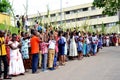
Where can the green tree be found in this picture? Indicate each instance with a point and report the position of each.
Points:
(5, 6)
(110, 7)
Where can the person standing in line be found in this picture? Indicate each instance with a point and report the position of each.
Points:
(118, 39)
(94, 44)
(34, 42)
(73, 47)
(80, 48)
(99, 42)
(103, 38)
(84, 46)
(25, 50)
(44, 52)
(66, 45)
(61, 46)
(16, 66)
(114, 39)
(107, 40)
(56, 49)
(90, 39)
(3, 57)
(51, 52)
(7, 39)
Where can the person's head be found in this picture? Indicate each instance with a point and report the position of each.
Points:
(51, 37)
(2, 33)
(71, 34)
(51, 32)
(22, 34)
(93, 34)
(33, 32)
(26, 35)
(65, 34)
(22, 17)
(60, 33)
(56, 30)
(100, 35)
(14, 36)
(18, 31)
(40, 31)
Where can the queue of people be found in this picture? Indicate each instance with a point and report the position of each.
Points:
(48, 49)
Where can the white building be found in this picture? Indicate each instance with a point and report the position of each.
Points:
(78, 16)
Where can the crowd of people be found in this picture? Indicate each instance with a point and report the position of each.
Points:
(48, 49)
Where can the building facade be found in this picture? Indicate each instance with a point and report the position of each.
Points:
(4, 19)
(77, 16)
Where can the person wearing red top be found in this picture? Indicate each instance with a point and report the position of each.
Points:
(114, 39)
(34, 42)
(7, 39)
(44, 50)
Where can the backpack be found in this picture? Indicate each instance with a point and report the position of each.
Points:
(61, 42)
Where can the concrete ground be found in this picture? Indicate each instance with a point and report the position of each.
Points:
(104, 66)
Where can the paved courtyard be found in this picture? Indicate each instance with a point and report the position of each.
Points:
(104, 66)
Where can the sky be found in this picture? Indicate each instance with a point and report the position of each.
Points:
(41, 5)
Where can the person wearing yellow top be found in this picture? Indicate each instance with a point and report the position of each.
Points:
(3, 56)
(2, 47)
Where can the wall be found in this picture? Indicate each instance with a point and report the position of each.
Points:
(4, 18)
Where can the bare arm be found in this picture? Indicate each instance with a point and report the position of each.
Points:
(13, 48)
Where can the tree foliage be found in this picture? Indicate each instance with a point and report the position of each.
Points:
(110, 7)
(4, 6)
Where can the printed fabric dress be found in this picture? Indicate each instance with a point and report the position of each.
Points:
(73, 47)
(24, 48)
(16, 63)
(84, 48)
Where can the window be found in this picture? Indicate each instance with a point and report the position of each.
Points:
(80, 10)
(84, 18)
(75, 11)
(59, 14)
(67, 21)
(59, 22)
(67, 12)
(92, 8)
(78, 19)
(73, 20)
(45, 16)
(96, 16)
(93, 17)
(52, 15)
(52, 22)
(94, 26)
(85, 9)
(111, 24)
